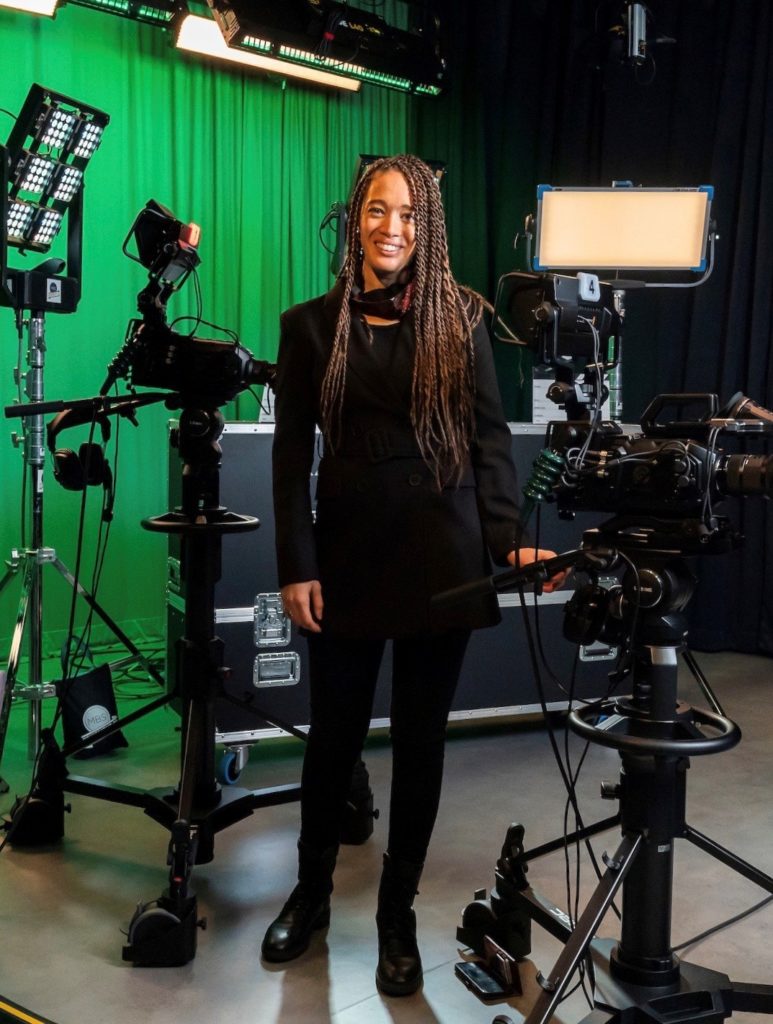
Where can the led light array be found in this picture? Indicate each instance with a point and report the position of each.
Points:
(28, 224)
(48, 149)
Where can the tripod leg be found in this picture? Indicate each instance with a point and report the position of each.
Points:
(8, 681)
(113, 626)
(576, 948)
(702, 681)
(730, 859)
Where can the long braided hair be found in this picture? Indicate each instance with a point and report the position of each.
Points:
(444, 314)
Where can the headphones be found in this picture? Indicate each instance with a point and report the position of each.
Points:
(89, 466)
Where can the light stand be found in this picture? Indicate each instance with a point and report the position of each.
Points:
(72, 129)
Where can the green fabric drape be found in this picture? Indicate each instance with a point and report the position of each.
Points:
(255, 161)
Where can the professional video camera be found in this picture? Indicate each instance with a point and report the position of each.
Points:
(672, 470)
(203, 370)
(672, 475)
(572, 325)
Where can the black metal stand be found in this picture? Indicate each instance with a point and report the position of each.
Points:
(163, 931)
(29, 562)
(637, 978)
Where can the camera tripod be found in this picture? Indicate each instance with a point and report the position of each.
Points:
(163, 931)
(637, 978)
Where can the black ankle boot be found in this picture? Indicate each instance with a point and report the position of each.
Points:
(399, 964)
(307, 908)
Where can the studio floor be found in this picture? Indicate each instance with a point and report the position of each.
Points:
(63, 907)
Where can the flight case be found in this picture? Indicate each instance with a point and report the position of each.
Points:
(267, 658)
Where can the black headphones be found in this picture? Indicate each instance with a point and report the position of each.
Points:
(89, 466)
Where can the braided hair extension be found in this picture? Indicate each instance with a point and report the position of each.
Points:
(445, 314)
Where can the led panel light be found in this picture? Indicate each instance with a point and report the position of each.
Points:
(45, 7)
(55, 126)
(85, 140)
(47, 151)
(46, 227)
(34, 173)
(202, 36)
(19, 219)
(67, 183)
(622, 228)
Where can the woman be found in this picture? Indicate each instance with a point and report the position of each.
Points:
(416, 492)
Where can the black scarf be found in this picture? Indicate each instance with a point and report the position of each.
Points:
(390, 303)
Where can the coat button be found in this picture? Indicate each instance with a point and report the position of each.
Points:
(414, 479)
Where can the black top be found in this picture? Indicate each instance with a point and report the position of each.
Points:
(385, 538)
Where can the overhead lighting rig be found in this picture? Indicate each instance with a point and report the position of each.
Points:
(336, 38)
(323, 41)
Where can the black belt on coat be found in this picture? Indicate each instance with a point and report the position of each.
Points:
(378, 444)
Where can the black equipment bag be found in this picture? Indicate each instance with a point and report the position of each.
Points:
(88, 705)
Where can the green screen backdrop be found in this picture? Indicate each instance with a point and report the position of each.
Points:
(256, 162)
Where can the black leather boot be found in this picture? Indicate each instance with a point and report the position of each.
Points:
(399, 964)
(307, 908)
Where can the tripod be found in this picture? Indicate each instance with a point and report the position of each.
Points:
(163, 932)
(639, 977)
(29, 561)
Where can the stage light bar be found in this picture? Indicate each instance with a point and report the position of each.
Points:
(153, 12)
(335, 37)
(70, 132)
(202, 36)
(45, 7)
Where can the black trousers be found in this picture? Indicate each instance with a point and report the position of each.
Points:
(343, 672)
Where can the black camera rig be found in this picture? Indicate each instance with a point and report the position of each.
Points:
(204, 370)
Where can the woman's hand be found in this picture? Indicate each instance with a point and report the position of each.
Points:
(303, 603)
(528, 555)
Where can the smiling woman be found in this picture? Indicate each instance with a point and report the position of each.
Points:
(416, 494)
(387, 230)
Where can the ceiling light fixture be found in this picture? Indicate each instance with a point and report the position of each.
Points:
(202, 36)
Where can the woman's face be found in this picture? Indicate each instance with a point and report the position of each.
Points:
(387, 230)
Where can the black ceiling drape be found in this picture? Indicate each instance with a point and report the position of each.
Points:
(539, 94)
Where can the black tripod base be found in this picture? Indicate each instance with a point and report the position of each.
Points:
(699, 996)
(36, 820)
(163, 933)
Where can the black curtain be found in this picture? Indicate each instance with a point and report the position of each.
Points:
(540, 93)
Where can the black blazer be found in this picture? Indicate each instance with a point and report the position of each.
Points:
(384, 538)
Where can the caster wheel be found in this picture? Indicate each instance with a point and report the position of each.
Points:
(161, 937)
(151, 924)
(229, 769)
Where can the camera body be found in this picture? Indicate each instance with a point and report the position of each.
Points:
(671, 470)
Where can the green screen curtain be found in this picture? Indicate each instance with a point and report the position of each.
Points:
(256, 162)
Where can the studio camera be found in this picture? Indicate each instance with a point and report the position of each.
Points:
(673, 469)
(202, 370)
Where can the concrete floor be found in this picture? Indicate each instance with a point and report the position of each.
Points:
(62, 907)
